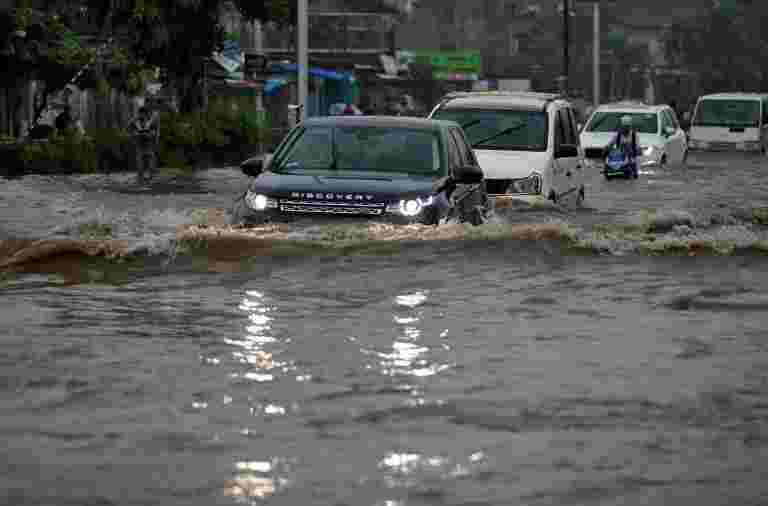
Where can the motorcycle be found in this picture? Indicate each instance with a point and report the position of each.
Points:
(619, 163)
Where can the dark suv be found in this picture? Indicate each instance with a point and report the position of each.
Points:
(407, 170)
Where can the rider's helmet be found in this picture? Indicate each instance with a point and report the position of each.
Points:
(626, 123)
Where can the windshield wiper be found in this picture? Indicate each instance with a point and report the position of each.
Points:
(498, 134)
(470, 123)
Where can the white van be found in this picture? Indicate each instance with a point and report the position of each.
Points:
(730, 122)
(526, 142)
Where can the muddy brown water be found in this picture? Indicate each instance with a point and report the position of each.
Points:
(460, 372)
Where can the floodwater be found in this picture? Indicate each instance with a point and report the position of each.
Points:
(610, 367)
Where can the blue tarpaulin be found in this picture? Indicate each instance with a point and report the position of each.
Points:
(272, 87)
(313, 71)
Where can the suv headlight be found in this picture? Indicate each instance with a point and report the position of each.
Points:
(259, 202)
(649, 151)
(411, 207)
(530, 185)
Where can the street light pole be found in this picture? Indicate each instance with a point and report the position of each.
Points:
(303, 57)
(596, 54)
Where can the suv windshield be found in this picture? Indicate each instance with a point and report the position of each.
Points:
(605, 121)
(363, 149)
(500, 129)
(727, 113)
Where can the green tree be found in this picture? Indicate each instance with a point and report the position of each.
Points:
(725, 45)
(173, 35)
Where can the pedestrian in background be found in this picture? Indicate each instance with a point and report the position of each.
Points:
(145, 133)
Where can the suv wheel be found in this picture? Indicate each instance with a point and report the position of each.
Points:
(472, 208)
(429, 216)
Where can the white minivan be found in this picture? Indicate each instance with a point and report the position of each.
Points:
(730, 122)
(527, 143)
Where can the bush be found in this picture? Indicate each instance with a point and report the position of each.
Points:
(66, 153)
(225, 133)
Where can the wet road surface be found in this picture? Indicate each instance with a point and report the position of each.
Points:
(462, 372)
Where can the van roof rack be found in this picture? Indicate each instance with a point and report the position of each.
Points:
(505, 93)
(546, 98)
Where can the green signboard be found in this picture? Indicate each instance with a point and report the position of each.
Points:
(446, 65)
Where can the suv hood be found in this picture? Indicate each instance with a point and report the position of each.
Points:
(601, 139)
(346, 187)
(498, 164)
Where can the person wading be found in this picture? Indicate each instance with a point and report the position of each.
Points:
(145, 133)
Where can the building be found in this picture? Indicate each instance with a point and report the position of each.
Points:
(523, 39)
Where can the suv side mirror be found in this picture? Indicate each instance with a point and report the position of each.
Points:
(567, 151)
(255, 165)
(468, 174)
(669, 130)
(579, 127)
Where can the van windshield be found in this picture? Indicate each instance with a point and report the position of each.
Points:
(727, 113)
(610, 121)
(500, 129)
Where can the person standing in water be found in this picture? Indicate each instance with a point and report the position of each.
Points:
(145, 133)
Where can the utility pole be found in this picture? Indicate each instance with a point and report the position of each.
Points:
(303, 57)
(596, 54)
(566, 44)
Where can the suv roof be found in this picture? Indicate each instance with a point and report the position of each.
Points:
(527, 100)
(380, 121)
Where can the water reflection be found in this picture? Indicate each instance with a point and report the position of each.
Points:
(257, 335)
(412, 300)
(407, 356)
(256, 480)
(402, 469)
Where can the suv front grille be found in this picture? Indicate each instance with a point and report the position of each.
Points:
(321, 207)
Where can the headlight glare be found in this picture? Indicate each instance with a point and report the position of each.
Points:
(256, 201)
(528, 185)
(412, 207)
(648, 150)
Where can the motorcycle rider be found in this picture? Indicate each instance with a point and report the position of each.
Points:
(626, 145)
(626, 138)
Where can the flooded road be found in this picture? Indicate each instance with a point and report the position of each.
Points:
(615, 367)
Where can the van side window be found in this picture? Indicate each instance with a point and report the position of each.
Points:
(574, 127)
(765, 111)
(666, 120)
(559, 130)
(565, 124)
(673, 119)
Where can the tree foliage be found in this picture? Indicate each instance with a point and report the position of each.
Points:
(724, 44)
(139, 35)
